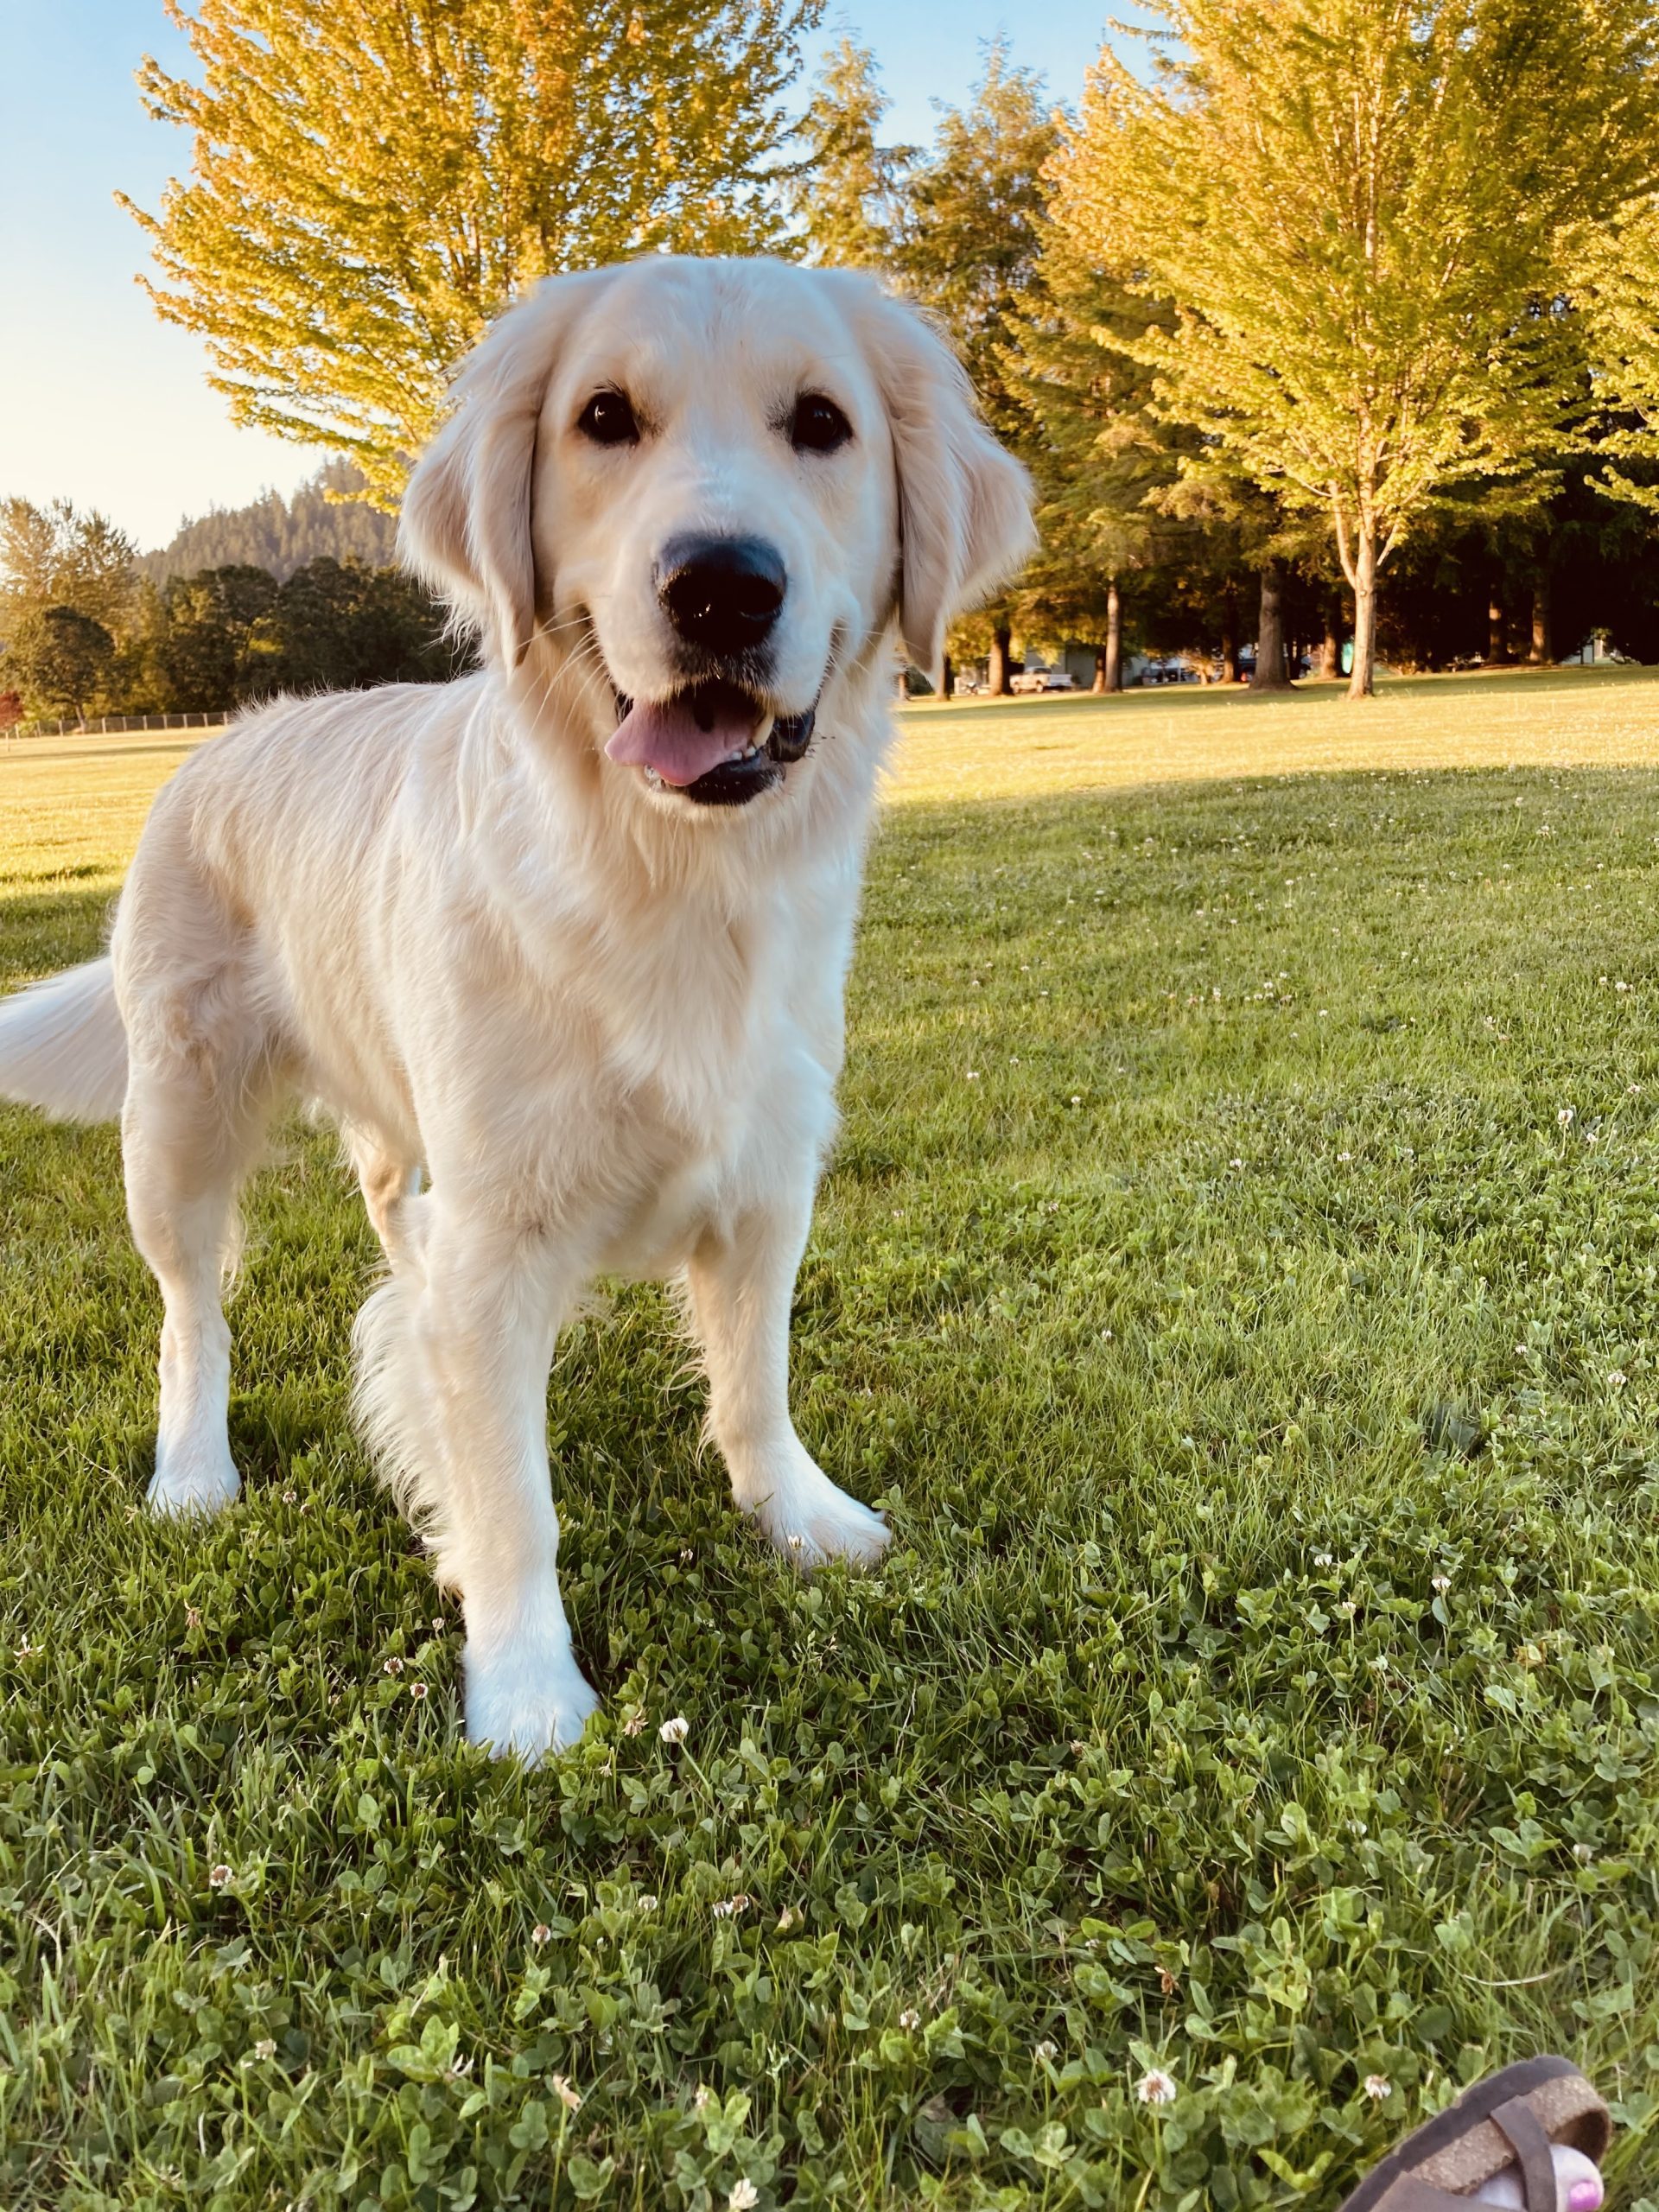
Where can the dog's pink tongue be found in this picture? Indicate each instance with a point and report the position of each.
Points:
(669, 737)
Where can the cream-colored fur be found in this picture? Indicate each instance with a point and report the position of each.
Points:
(570, 1023)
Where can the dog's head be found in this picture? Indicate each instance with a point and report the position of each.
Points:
(701, 489)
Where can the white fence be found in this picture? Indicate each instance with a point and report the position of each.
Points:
(113, 725)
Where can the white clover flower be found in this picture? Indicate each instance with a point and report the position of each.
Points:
(910, 2018)
(1378, 2086)
(540, 1933)
(1615, 1378)
(1564, 1118)
(675, 1731)
(1046, 2052)
(567, 2093)
(1441, 1582)
(219, 1877)
(744, 2195)
(1155, 2086)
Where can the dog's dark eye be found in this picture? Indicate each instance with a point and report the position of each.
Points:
(817, 424)
(608, 419)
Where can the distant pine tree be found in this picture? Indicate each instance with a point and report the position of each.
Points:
(283, 535)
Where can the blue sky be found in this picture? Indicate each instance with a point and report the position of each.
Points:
(100, 400)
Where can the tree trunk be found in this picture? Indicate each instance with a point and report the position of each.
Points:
(1497, 652)
(1271, 671)
(1362, 684)
(1330, 642)
(1114, 663)
(1002, 654)
(949, 678)
(1229, 637)
(1542, 648)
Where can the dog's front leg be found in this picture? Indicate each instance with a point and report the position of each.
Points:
(452, 1381)
(741, 1280)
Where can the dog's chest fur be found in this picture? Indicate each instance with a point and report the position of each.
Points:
(691, 1034)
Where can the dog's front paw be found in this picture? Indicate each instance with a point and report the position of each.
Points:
(810, 1521)
(188, 1483)
(525, 1702)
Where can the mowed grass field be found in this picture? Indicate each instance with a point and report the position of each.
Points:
(1236, 1279)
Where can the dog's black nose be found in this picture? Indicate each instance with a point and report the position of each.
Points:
(721, 593)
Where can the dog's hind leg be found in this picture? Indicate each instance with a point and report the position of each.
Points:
(190, 1132)
(391, 1194)
(738, 1285)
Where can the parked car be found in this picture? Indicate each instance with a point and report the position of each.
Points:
(1041, 679)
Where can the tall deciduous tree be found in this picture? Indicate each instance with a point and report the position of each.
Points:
(970, 248)
(205, 652)
(1356, 207)
(62, 556)
(848, 195)
(1097, 452)
(59, 659)
(373, 179)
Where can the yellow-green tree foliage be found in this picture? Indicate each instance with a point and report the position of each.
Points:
(62, 556)
(1617, 267)
(1357, 209)
(373, 179)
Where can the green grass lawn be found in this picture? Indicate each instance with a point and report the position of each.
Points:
(1237, 1281)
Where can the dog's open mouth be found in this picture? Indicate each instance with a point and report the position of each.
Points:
(714, 743)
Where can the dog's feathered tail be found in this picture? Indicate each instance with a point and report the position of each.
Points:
(63, 1048)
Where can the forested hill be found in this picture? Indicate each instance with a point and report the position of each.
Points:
(281, 535)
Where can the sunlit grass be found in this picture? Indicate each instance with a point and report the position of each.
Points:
(1236, 1277)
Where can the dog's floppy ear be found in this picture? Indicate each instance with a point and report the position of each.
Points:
(466, 523)
(965, 503)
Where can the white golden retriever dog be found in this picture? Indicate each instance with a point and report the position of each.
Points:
(561, 946)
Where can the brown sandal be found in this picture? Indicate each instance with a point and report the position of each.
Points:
(1512, 2118)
